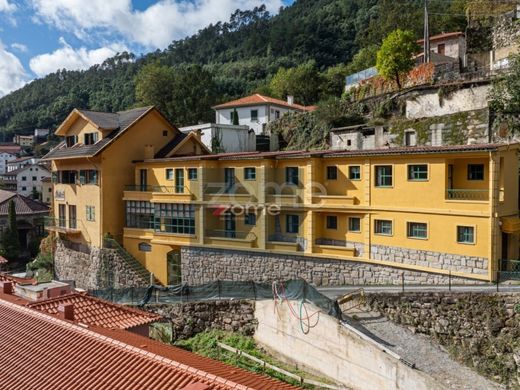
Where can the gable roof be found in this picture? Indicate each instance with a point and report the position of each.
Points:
(15, 172)
(94, 311)
(45, 352)
(117, 122)
(443, 36)
(22, 204)
(257, 99)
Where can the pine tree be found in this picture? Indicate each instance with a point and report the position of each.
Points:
(10, 241)
(235, 120)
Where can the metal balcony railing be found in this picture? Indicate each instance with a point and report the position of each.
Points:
(161, 189)
(231, 234)
(62, 224)
(467, 194)
(278, 237)
(224, 189)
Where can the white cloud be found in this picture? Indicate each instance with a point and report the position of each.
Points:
(12, 72)
(19, 46)
(5, 6)
(154, 27)
(72, 59)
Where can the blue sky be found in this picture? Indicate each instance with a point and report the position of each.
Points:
(37, 37)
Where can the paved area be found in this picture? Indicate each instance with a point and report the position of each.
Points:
(420, 350)
(335, 292)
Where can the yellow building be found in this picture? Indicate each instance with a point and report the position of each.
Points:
(427, 211)
(94, 163)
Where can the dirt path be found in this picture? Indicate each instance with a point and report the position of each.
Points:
(420, 350)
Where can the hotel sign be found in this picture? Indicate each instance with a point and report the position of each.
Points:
(59, 194)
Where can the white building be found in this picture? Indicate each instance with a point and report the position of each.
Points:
(220, 138)
(361, 137)
(5, 158)
(256, 111)
(21, 162)
(26, 179)
(450, 45)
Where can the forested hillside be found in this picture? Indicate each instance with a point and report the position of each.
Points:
(240, 56)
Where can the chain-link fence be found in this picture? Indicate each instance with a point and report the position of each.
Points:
(298, 290)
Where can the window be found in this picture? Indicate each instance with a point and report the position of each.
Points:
(332, 173)
(465, 234)
(169, 173)
(174, 218)
(90, 212)
(475, 171)
(139, 214)
(34, 178)
(250, 219)
(192, 173)
(418, 172)
(383, 227)
(24, 188)
(254, 115)
(291, 175)
(292, 224)
(179, 181)
(410, 138)
(165, 133)
(62, 218)
(144, 247)
(354, 172)
(90, 138)
(332, 222)
(70, 140)
(417, 230)
(441, 48)
(67, 177)
(250, 173)
(72, 217)
(384, 176)
(354, 224)
(88, 176)
(24, 178)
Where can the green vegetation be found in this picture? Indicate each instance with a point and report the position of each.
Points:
(395, 57)
(10, 243)
(205, 344)
(43, 264)
(240, 56)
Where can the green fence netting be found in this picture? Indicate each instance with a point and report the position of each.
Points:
(295, 290)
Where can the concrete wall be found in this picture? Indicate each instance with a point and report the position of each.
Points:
(431, 104)
(335, 351)
(228, 137)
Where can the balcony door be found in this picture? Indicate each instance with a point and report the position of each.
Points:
(229, 225)
(179, 181)
(62, 216)
(72, 217)
(229, 179)
(143, 179)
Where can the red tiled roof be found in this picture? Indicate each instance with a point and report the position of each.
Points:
(257, 99)
(9, 278)
(47, 353)
(443, 36)
(94, 311)
(3, 260)
(343, 153)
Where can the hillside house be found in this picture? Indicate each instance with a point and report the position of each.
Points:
(221, 138)
(26, 180)
(447, 46)
(5, 159)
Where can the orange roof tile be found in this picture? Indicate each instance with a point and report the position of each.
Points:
(47, 353)
(257, 99)
(442, 36)
(94, 311)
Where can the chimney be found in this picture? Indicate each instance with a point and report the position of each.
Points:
(6, 287)
(290, 100)
(66, 312)
(149, 152)
(198, 134)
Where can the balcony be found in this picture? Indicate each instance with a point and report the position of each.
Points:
(233, 194)
(62, 225)
(467, 195)
(281, 242)
(157, 193)
(332, 200)
(287, 200)
(326, 246)
(230, 238)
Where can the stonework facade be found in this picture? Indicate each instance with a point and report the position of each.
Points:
(94, 268)
(200, 265)
(447, 261)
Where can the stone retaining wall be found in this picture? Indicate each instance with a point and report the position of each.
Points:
(201, 265)
(99, 269)
(447, 261)
(191, 318)
(481, 330)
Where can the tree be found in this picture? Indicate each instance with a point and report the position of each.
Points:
(10, 241)
(235, 120)
(395, 56)
(505, 91)
(303, 82)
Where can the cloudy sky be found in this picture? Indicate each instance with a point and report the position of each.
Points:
(38, 37)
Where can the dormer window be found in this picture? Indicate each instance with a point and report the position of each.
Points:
(90, 138)
(70, 140)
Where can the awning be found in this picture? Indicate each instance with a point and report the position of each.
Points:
(510, 224)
